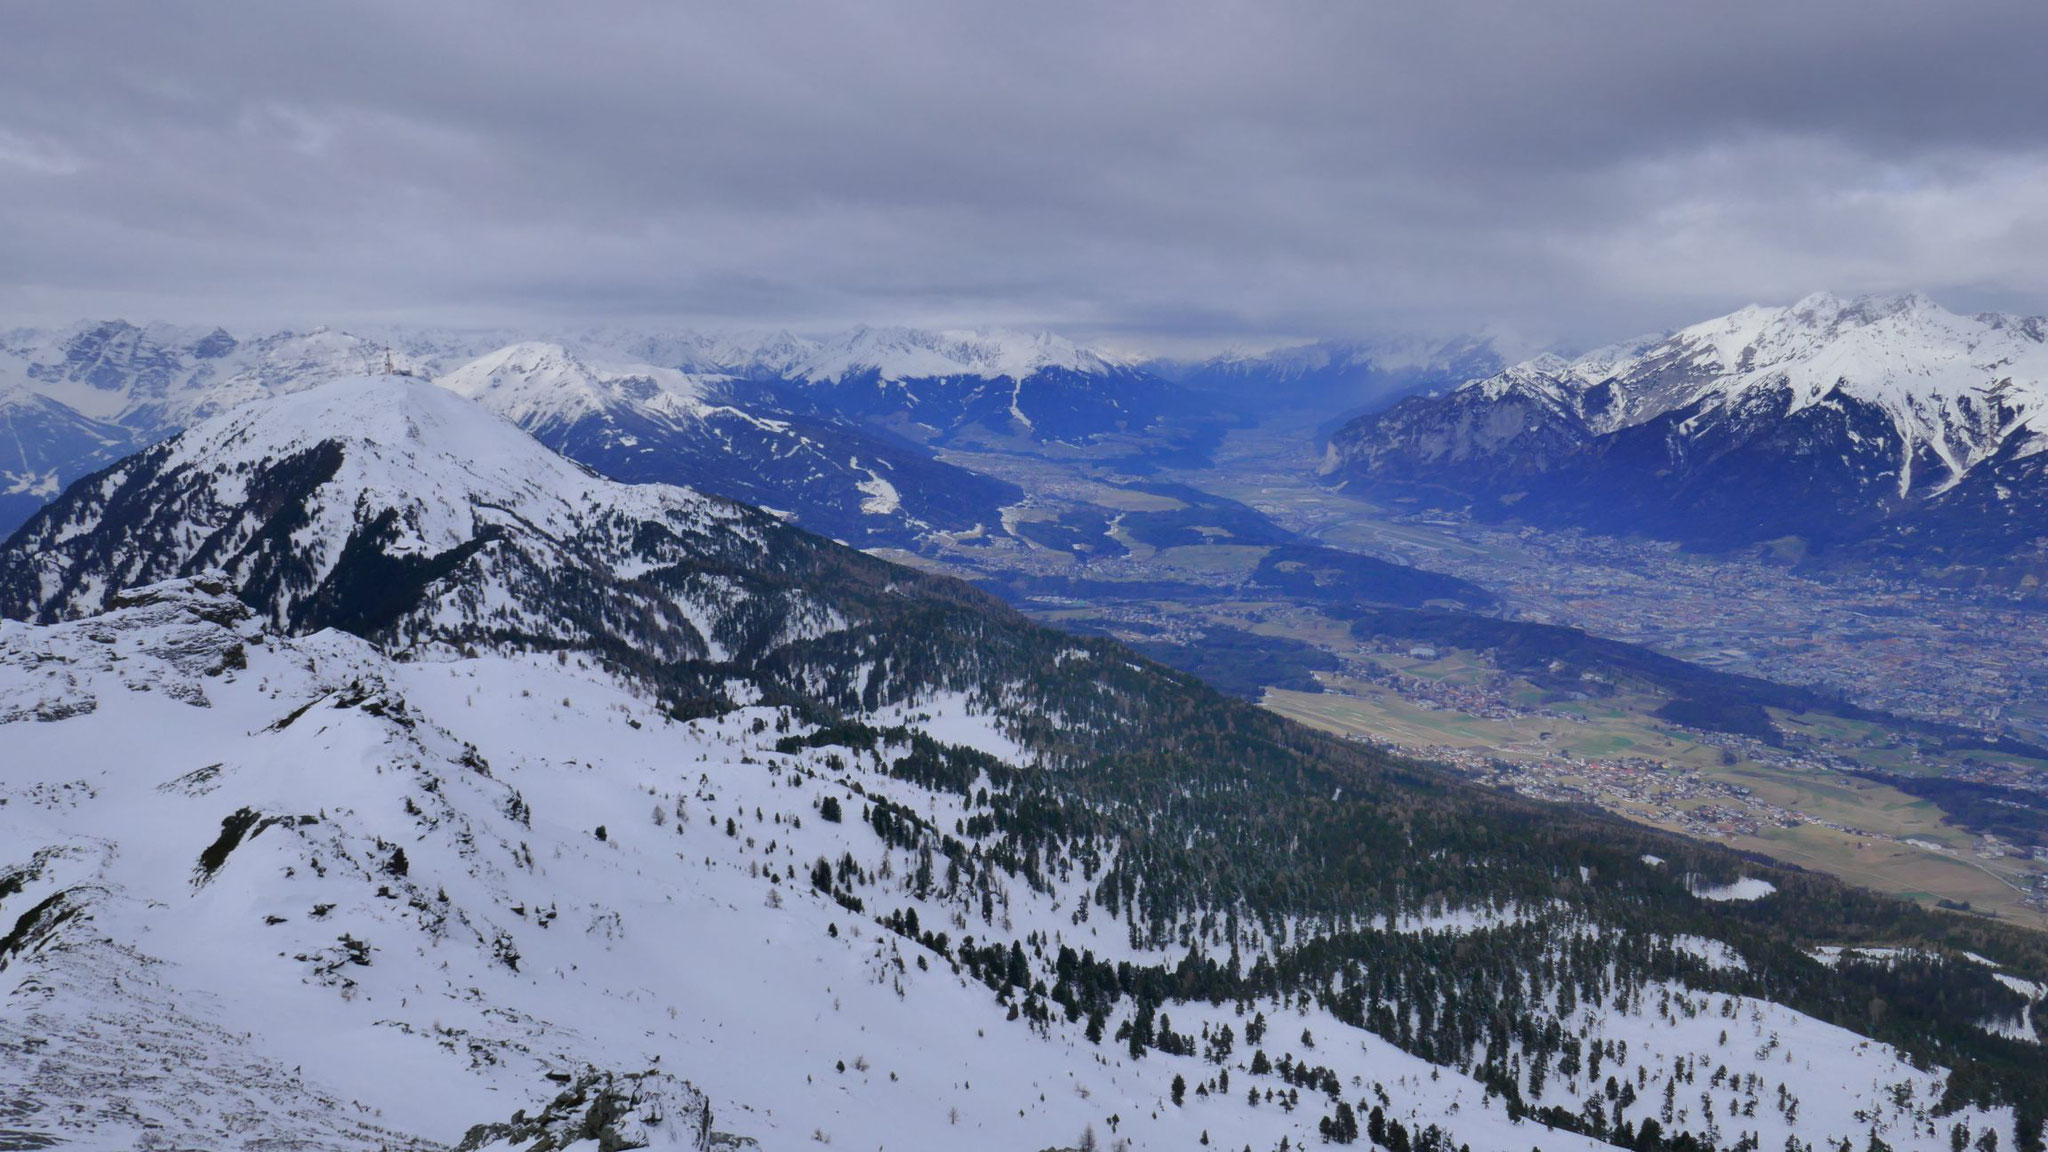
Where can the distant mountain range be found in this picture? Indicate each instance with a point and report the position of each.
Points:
(838, 433)
(1879, 424)
(75, 400)
(1884, 429)
(845, 454)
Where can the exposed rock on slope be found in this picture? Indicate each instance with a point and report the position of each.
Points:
(1830, 420)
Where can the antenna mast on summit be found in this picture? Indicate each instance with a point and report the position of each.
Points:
(388, 369)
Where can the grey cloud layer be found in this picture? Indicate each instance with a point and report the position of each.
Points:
(1145, 170)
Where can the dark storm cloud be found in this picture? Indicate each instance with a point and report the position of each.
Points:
(1145, 171)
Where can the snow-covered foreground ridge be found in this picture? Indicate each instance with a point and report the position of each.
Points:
(268, 889)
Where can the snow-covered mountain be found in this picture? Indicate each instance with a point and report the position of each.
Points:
(829, 431)
(1034, 387)
(1821, 420)
(395, 509)
(77, 399)
(645, 424)
(896, 354)
(43, 446)
(890, 353)
(156, 380)
(986, 385)
(374, 773)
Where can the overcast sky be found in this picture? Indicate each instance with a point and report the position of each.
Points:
(1150, 173)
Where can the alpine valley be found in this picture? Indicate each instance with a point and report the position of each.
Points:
(455, 756)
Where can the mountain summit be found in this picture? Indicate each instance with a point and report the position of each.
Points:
(395, 509)
(640, 424)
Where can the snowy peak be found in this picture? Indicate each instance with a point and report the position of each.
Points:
(1950, 385)
(1821, 420)
(389, 507)
(539, 385)
(404, 444)
(1904, 353)
(156, 380)
(645, 424)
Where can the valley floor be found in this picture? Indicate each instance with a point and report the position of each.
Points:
(1936, 655)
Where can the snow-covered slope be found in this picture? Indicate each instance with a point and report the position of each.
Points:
(541, 386)
(79, 398)
(396, 509)
(268, 889)
(645, 424)
(1819, 419)
(43, 446)
(1031, 387)
(895, 354)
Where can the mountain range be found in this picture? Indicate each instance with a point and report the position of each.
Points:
(1877, 424)
(77, 400)
(379, 777)
(839, 433)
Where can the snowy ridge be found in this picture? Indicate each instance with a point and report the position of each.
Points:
(1953, 385)
(911, 353)
(410, 445)
(73, 400)
(1881, 425)
(890, 352)
(538, 385)
(393, 507)
(642, 423)
(467, 882)
(1038, 386)
(157, 379)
